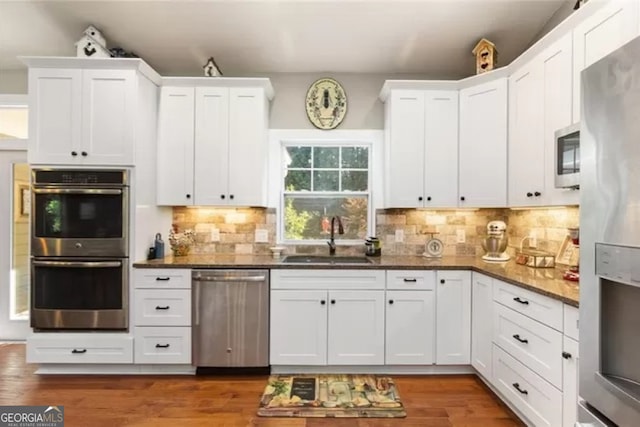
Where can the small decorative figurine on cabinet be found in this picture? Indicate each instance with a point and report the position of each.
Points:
(211, 69)
(92, 44)
(486, 56)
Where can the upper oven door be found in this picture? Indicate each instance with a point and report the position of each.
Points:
(79, 221)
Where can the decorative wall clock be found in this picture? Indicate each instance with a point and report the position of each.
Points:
(326, 103)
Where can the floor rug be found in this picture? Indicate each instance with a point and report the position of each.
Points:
(331, 396)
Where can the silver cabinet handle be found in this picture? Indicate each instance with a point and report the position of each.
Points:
(77, 264)
(230, 279)
(107, 191)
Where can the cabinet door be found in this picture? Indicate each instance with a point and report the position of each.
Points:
(557, 109)
(248, 131)
(570, 382)
(55, 99)
(483, 145)
(298, 328)
(175, 146)
(356, 328)
(108, 114)
(211, 160)
(598, 35)
(526, 150)
(404, 168)
(482, 325)
(441, 149)
(453, 318)
(410, 328)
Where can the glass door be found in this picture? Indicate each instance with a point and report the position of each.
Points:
(14, 218)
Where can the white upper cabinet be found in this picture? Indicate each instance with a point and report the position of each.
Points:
(422, 148)
(539, 104)
(600, 34)
(483, 145)
(82, 116)
(526, 150)
(213, 139)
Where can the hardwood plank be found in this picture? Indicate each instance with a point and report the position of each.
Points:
(141, 401)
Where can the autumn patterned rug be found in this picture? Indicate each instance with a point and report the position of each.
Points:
(331, 396)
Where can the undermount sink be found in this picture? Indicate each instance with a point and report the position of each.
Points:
(320, 259)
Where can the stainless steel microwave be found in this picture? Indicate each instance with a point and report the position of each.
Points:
(567, 159)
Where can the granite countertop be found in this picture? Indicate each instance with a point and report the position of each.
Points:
(545, 281)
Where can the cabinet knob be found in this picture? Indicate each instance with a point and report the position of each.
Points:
(537, 194)
(84, 154)
(188, 196)
(231, 196)
(420, 198)
(390, 301)
(333, 301)
(74, 153)
(222, 196)
(323, 302)
(442, 281)
(566, 355)
(462, 198)
(428, 198)
(529, 194)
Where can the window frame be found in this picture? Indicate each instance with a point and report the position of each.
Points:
(323, 143)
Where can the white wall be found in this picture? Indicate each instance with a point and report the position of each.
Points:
(561, 14)
(14, 81)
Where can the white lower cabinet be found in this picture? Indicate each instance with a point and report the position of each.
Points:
(532, 343)
(481, 325)
(538, 400)
(157, 345)
(453, 317)
(162, 316)
(570, 363)
(320, 326)
(78, 348)
(410, 328)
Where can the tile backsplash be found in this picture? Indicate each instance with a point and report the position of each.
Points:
(233, 230)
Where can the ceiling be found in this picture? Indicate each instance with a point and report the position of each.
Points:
(428, 37)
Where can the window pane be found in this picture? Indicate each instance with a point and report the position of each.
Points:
(310, 217)
(325, 157)
(14, 122)
(297, 181)
(354, 180)
(325, 181)
(300, 157)
(355, 157)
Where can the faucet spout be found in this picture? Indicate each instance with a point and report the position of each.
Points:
(331, 242)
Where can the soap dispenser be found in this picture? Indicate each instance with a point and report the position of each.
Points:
(159, 246)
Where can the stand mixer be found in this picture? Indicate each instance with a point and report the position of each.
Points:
(495, 243)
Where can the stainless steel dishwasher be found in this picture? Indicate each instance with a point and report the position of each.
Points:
(230, 318)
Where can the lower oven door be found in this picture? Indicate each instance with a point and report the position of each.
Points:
(80, 294)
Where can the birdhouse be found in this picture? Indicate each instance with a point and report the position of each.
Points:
(211, 69)
(96, 35)
(486, 56)
(87, 47)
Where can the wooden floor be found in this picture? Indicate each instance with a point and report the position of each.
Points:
(179, 401)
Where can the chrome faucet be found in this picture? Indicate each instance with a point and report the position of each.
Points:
(331, 242)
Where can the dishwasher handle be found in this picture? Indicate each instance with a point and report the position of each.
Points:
(229, 279)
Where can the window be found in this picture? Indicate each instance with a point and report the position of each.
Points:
(322, 181)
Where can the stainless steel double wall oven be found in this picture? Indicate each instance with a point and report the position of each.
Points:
(79, 249)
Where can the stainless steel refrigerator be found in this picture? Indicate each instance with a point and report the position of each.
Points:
(609, 384)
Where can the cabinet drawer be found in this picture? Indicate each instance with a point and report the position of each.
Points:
(327, 279)
(162, 307)
(162, 278)
(538, 400)
(163, 345)
(411, 280)
(80, 348)
(571, 323)
(538, 307)
(535, 345)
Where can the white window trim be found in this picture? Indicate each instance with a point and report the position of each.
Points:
(279, 138)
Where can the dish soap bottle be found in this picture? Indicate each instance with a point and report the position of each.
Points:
(159, 246)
